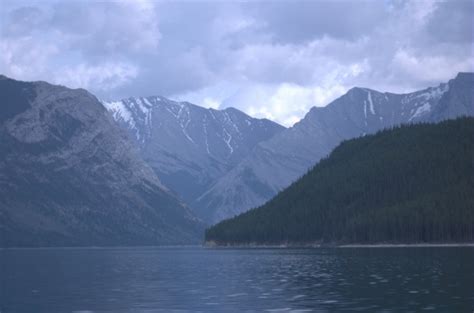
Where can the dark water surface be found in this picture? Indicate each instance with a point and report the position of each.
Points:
(237, 280)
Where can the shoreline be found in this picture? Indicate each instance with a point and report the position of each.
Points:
(103, 247)
(344, 246)
(414, 245)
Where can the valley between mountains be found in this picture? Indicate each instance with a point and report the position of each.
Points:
(76, 170)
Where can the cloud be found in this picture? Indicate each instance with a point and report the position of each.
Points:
(452, 23)
(79, 45)
(273, 59)
(441, 68)
(104, 76)
(23, 58)
(285, 103)
(304, 21)
(23, 22)
(107, 28)
(301, 99)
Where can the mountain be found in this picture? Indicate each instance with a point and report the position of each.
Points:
(189, 147)
(408, 184)
(69, 175)
(276, 163)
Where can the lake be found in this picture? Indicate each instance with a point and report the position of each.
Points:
(151, 279)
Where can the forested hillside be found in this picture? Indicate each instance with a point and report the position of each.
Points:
(404, 185)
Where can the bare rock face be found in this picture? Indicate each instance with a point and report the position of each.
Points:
(70, 176)
(189, 147)
(275, 163)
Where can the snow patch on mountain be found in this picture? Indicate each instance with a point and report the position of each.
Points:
(371, 103)
(206, 136)
(184, 127)
(119, 110)
(434, 93)
(231, 123)
(424, 108)
(227, 138)
(422, 102)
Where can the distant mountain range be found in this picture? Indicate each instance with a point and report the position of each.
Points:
(275, 163)
(189, 147)
(148, 170)
(409, 184)
(70, 176)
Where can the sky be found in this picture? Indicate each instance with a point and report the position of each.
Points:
(273, 59)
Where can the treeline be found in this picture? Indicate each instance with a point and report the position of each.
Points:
(408, 184)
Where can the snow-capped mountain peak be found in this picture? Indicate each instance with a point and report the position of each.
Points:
(180, 139)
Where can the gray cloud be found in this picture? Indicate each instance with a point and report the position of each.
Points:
(308, 20)
(23, 21)
(270, 58)
(452, 23)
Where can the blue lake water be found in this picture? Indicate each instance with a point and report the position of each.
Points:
(151, 279)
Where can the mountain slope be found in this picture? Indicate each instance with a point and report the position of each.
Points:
(409, 184)
(277, 162)
(69, 176)
(188, 146)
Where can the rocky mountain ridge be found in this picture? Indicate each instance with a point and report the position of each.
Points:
(189, 147)
(274, 164)
(70, 176)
